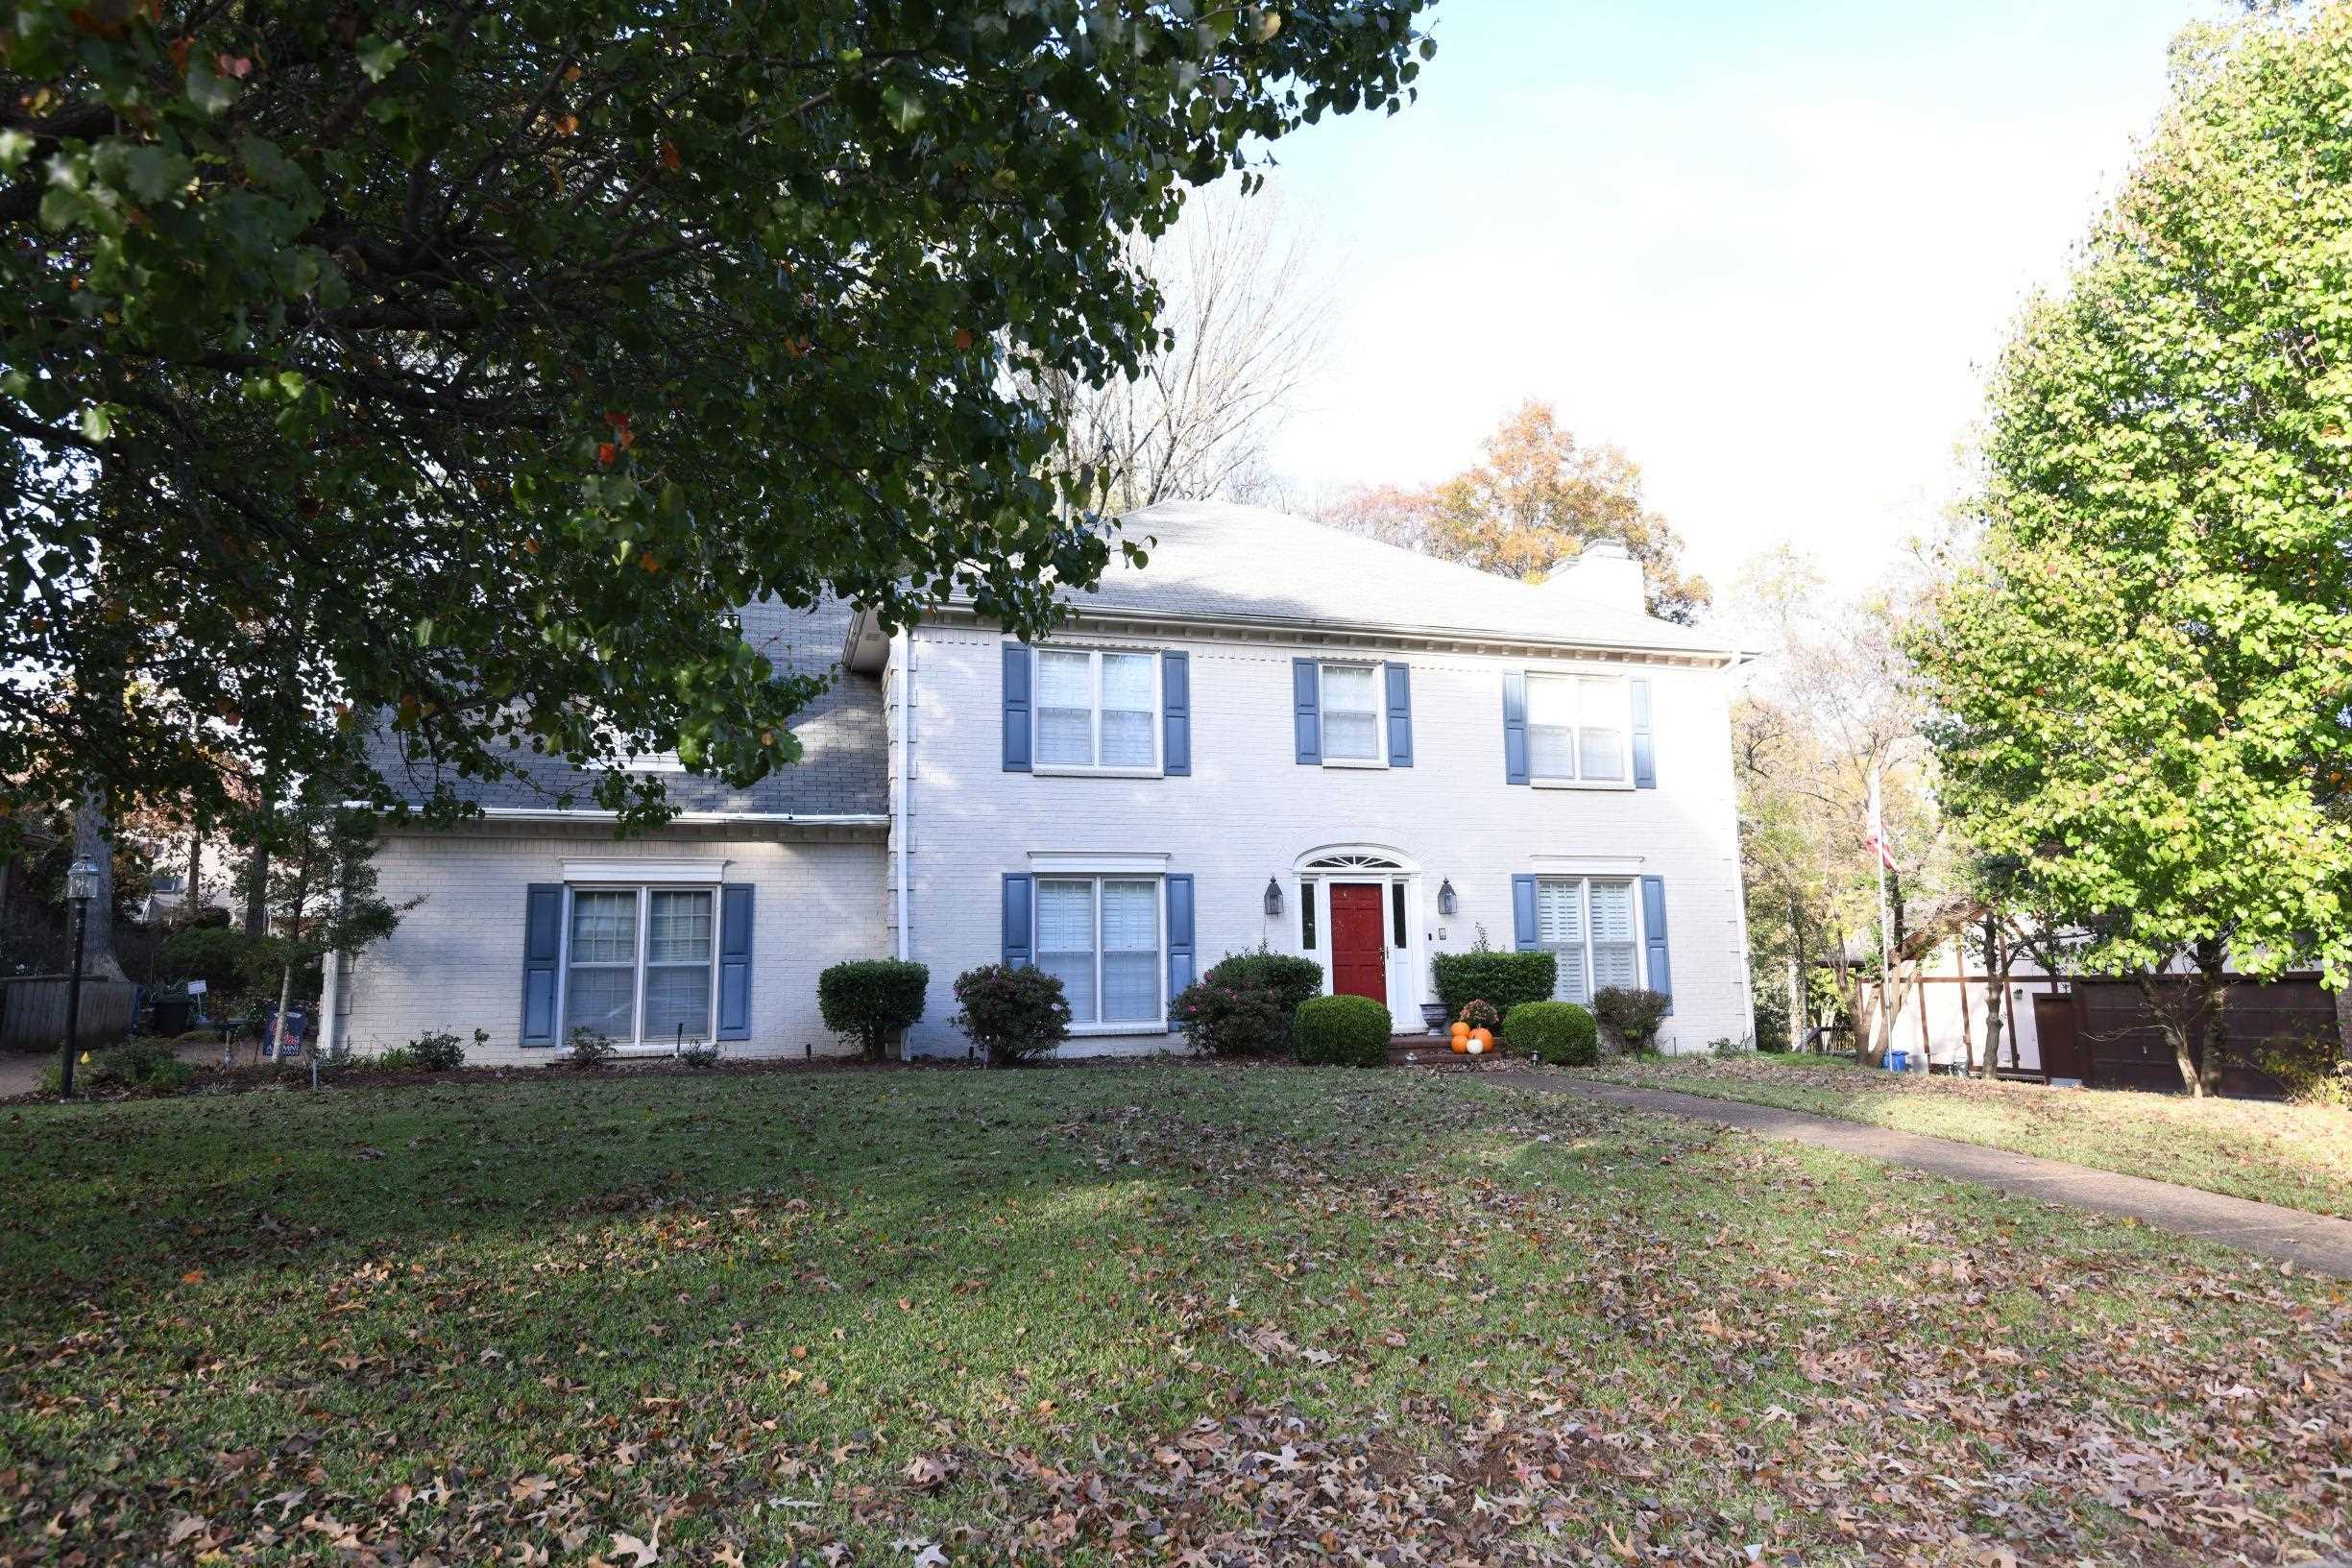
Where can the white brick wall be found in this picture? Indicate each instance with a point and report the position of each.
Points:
(456, 962)
(1248, 811)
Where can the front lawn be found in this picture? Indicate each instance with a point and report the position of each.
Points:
(1165, 1313)
(2300, 1156)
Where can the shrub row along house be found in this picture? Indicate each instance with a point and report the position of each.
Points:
(1275, 734)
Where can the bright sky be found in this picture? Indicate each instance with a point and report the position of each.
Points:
(1767, 246)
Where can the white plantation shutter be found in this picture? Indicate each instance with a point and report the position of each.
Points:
(1613, 936)
(1560, 928)
(1129, 716)
(1551, 728)
(1065, 941)
(1065, 708)
(1130, 952)
(1352, 713)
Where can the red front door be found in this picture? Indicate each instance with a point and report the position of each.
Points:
(1359, 941)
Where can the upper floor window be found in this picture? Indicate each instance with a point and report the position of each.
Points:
(1352, 713)
(1097, 709)
(1579, 730)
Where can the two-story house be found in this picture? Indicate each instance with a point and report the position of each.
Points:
(1274, 733)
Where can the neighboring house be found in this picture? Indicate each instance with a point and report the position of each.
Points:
(1275, 734)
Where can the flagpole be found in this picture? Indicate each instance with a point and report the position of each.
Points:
(1886, 918)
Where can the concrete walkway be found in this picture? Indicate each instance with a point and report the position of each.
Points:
(2317, 1244)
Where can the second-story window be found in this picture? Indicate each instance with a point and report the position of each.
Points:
(1350, 706)
(1578, 728)
(1097, 709)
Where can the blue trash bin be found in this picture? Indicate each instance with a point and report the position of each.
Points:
(1898, 1061)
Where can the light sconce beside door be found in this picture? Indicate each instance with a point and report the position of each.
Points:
(1446, 901)
(1273, 897)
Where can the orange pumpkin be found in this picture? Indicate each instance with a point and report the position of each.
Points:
(1484, 1038)
(1460, 1028)
(1462, 1043)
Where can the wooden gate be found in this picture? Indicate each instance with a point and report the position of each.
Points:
(2061, 1043)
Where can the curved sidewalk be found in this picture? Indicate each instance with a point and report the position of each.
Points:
(2318, 1244)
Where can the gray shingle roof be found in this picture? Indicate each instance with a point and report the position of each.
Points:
(843, 765)
(1220, 560)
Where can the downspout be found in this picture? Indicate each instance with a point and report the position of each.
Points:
(903, 788)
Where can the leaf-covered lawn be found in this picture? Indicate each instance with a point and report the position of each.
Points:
(2300, 1156)
(1172, 1315)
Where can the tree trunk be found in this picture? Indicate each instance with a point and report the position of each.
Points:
(193, 905)
(93, 841)
(2173, 1026)
(2343, 1028)
(1796, 977)
(257, 890)
(1995, 995)
(2213, 963)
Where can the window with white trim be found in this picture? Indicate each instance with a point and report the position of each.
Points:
(638, 963)
(1579, 729)
(1353, 716)
(1100, 936)
(1097, 709)
(1589, 923)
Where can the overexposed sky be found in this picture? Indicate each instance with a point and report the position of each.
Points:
(1767, 247)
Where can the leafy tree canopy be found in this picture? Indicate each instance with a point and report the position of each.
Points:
(2142, 683)
(471, 363)
(1538, 498)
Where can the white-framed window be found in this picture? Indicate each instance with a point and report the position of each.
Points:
(641, 963)
(1101, 936)
(1098, 708)
(1591, 924)
(1355, 717)
(1580, 729)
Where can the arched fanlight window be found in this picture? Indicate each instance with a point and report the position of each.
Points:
(1353, 862)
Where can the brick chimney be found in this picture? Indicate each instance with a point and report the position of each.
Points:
(1604, 574)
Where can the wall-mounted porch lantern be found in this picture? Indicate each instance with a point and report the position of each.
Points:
(1446, 901)
(1273, 897)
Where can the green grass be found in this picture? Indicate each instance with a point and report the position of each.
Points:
(2298, 1156)
(1089, 1315)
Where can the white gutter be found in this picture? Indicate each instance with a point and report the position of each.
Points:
(902, 788)
(806, 819)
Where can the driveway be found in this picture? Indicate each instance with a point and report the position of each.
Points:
(2318, 1244)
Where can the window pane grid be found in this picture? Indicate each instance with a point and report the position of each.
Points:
(1577, 728)
(1097, 709)
(1100, 937)
(1350, 706)
(659, 995)
(1590, 925)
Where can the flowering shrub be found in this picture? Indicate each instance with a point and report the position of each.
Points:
(1234, 1017)
(1011, 1014)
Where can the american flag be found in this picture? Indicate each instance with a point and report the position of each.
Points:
(1875, 838)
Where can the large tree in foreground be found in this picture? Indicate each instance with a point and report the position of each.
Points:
(2142, 683)
(469, 363)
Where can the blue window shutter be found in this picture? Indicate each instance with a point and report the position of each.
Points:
(735, 961)
(1654, 934)
(1306, 697)
(1400, 715)
(543, 951)
(1514, 727)
(1645, 767)
(1523, 913)
(1179, 937)
(1176, 695)
(1017, 922)
(1016, 706)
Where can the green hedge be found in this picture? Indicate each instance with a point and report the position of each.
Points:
(1289, 981)
(1560, 1032)
(1342, 1032)
(1504, 978)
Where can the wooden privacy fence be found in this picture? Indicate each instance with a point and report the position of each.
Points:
(33, 1014)
(2122, 1048)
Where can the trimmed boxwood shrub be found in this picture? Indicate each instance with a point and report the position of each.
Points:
(1011, 1014)
(1632, 1016)
(1504, 978)
(1342, 1032)
(871, 1000)
(1559, 1032)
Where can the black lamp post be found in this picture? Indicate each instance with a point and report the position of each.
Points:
(81, 886)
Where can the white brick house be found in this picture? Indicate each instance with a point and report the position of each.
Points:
(1274, 733)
